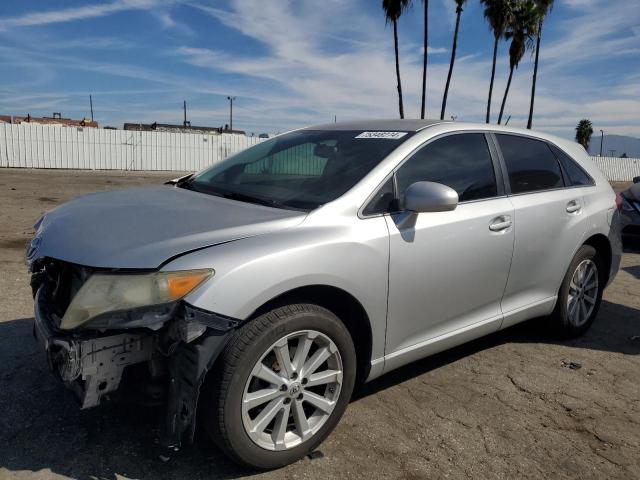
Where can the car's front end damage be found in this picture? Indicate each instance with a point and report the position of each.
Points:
(113, 316)
(158, 353)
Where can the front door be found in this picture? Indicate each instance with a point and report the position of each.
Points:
(448, 270)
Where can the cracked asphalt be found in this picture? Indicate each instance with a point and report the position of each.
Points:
(510, 405)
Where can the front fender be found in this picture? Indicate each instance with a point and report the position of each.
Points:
(252, 271)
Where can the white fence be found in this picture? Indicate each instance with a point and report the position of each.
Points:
(50, 146)
(618, 169)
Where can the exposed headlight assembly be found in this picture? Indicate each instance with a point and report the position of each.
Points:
(103, 293)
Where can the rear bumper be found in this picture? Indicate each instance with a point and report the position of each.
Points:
(91, 366)
(615, 241)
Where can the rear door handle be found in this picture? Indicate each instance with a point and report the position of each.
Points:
(574, 206)
(500, 223)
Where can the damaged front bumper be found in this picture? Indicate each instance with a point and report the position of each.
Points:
(91, 367)
(93, 364)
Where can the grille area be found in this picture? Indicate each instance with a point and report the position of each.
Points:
(60, 282)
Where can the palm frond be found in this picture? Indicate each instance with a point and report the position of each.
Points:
(393, 9)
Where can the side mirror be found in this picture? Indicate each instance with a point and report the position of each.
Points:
(430, 197)
(636, 179)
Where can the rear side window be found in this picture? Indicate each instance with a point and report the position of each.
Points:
(530, 163)
(577, 176)
(462, 162)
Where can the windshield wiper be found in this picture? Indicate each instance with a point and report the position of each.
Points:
(178, 182)
(243, 197)
(188, 183)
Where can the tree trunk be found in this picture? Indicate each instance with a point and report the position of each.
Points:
(535, 77)
(493, 76)
(395, 44)
(506, 93)
(424, 62)
(453, 59)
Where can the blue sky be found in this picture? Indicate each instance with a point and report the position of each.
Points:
(294, 63)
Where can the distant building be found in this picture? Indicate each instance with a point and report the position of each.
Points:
(166, 127)
(56, 119)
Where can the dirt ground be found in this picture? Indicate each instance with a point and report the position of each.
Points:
(506, 406)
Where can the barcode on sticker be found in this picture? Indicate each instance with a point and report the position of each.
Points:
(389, 135)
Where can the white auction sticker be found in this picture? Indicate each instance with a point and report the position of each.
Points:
(389, 135)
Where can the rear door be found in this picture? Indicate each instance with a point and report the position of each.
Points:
(549, 224)
(448, 270)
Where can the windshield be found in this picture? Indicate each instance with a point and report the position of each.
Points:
(299, 170)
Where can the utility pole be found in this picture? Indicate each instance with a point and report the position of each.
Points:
(91, 106)
(601, 140)
(231, 99)
(184, 110)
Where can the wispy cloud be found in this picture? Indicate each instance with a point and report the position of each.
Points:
(357, 81)
(74, 13)
(296, 62)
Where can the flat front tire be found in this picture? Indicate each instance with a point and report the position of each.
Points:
(281, 386)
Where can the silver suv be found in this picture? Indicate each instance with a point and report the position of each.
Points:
(251, 297)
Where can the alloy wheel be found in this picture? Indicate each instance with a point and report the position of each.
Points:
(292, 390)
(583, 293)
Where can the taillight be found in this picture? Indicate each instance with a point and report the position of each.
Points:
(619, 201)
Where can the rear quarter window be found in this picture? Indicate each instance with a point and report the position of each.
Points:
(531, 164)
(576, 176)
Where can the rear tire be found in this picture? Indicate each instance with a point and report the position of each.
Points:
(580, 295)
(255, 364)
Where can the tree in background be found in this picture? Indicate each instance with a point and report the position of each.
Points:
(543, 8)
(584, 130)
(459, 5)
(521, 30)
(393, 9)
(498, 14)
(424, 60)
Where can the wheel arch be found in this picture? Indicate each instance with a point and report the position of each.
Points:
(344, 306)
(602, 245)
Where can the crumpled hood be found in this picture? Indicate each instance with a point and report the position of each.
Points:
(143, 227)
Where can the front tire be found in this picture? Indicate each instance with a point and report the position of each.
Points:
(284, 381)
(580, 295)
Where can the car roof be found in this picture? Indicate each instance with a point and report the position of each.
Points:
(407, 125)
(415, 125)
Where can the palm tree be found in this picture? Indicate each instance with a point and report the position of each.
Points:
(543, 8)
(459, 4)
(424, 60)
(521, 30)
(498, 13)
(584, 130)
(393, 9)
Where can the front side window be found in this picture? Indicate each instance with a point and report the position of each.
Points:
(299, 170)
(530, 163)
(577, 176)
(462, 162)
(383, 201)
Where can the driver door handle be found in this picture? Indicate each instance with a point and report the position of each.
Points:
(500, 223)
